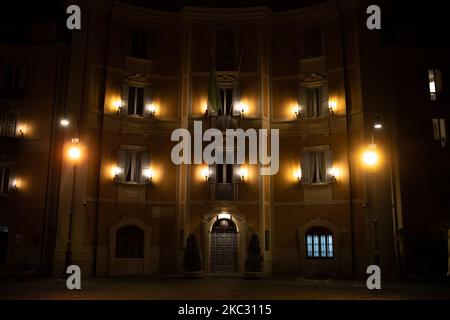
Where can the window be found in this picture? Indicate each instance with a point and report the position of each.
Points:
(317, 166)
(440, 131)
(313, 42)
(319, 243)
(6, 179)
(313, 101)
(132, 164)
(139, 44)
(8, 121)
(435, 82)
(225, 49)
(136, 99)
(226, 100)
(14, 76)
(130, 242)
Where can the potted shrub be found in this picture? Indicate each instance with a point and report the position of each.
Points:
(192, 264)
(254, 260)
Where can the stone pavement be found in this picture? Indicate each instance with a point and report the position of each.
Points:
(225, 287)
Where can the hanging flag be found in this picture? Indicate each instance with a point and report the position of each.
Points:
(214, 103)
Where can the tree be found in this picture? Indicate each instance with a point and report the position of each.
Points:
(254, 260)
(191, 259)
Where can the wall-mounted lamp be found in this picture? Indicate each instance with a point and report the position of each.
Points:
(116, 171)
(148, 174)
(377, 124)
(15, 184)
(243, 174)
(297, 112)
(334, 173)
(117, 104)
(205, 174)
(152, 109)
(370, 156)
(332, 107)
(298, 175)
(74, 151)
(243, 108)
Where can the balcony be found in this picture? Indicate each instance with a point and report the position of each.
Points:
(223, 122)
(225, 191)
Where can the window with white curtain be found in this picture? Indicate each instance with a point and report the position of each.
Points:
(316, 165)
(434, 82)
(6, 179)
(313, 101)
(440, 131)
(8, 123)
(319, 243)
(132, 164)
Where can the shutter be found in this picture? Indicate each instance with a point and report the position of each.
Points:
(11, 125)
(304, 164)
(147, 100)
(237, 100)
(125, 88)
(212, 173)
(324, 99)
(236, 173)
(302, 94)
(121, 159)
(328, 158)
(12, 180)
(145, 165)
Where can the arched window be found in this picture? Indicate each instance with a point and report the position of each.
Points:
(319, 243)
(129, 242)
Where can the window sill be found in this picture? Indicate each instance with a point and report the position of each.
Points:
(319, 258)
(317, 184)
(133, 183)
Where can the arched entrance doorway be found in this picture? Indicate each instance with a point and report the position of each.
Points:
(224, 246)
(3, 245)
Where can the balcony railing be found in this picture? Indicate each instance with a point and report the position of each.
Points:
(223, 122)
(225, 191)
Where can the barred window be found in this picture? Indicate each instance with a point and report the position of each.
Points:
(319, 243)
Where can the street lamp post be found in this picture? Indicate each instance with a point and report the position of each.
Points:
(73, 154)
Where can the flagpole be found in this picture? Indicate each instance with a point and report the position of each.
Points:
(237, 75)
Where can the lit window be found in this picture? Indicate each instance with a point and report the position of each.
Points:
(135, 101)
(132, 164)
(313, 101)
(317, 166)
(435, 83)
(440, 131)
(319, 243)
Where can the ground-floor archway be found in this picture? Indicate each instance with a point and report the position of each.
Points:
(224, 247)
(3, 245)
(224, 238)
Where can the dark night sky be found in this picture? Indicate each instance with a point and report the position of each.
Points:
(426, 23)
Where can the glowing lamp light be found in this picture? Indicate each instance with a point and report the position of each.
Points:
(116, 171)
(298, 175)
(334, 172)
(296, 111)
(151, 108)
(243, 107)
(117, 104)
(243, 173)
(332, 106)
(148, 174)
(224, 215)
(378, 124)
(74, 151)
(205, 173)
(64, 122)
(370, 156)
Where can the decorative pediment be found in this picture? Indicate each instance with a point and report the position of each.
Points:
(226, 77)
(138, 78)
(314, 79)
